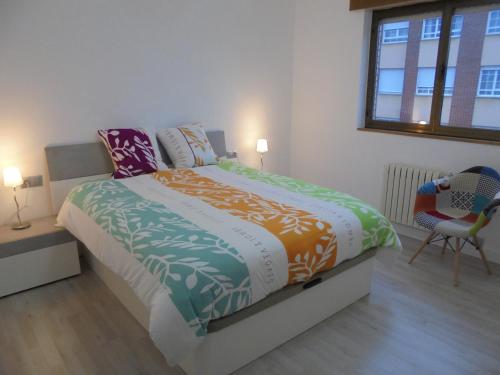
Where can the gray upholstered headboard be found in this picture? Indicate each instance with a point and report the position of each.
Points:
(70, 165)
(91, 159)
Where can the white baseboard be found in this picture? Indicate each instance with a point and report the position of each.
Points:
(492, 254)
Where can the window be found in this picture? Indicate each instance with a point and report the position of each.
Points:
(425, 81)
(431, 28)
(396, 32)
(391, 81)
(456, 26)
(493, 22)
(449, 82)
(448, 88)
(489, 82)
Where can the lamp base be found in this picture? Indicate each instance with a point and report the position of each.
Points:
(21, 226)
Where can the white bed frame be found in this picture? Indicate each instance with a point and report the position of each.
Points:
(225, 351)
(232, 347)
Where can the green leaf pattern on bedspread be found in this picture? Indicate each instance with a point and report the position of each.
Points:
(377, 229)
(205, 276)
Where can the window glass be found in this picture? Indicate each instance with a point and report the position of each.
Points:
(405, 70)
(493, 22)
(391, 81)
(395, 32)
(456, 25)
(474, 62)
(449, 82)
(410, 59)
(431, 28)
(489, 82)
(425, 81)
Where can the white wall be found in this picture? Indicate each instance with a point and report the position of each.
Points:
(330, 54)
(70, 67)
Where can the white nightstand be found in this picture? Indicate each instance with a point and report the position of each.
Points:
(35, 256)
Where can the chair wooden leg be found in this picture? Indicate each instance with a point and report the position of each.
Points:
(456, 270)
(422, 247)
(483, 256)
(445, 245)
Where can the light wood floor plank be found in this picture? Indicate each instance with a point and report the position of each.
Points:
(414, 322)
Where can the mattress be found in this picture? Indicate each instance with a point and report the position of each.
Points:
(197, 245)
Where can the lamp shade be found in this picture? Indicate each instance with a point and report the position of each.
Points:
(262, 145)
(12, 177)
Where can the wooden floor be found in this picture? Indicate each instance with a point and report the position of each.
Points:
(413, 322)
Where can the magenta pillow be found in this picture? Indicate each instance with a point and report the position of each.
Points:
(131, 151)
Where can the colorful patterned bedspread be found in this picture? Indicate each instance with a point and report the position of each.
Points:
(199, 244)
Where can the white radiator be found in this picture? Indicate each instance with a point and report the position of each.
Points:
(401, 183)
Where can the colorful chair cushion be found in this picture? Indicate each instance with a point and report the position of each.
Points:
(460, 205)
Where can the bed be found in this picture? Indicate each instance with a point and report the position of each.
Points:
(217, 259)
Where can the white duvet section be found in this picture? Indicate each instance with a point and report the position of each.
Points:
(345, 223)
(167, 327)
(264, 254)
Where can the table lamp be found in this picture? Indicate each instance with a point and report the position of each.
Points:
(12, 178)
(261, 149)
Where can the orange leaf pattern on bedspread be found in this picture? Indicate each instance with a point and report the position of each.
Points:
(310, 243)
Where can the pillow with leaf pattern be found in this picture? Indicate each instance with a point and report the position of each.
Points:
(188, 146)
(131, 151)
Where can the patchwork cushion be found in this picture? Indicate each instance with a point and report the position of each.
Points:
(131, 151)
(443, 200)
(451, 206)
(454, 228)
(480, 203)
(465, 182)
(444, 224)
(426, 220)
(188, 146)
(488, 186)
(454, 213)
(461, 200)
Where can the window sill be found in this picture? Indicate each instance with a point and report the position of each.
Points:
(432, 136)
(392, 43)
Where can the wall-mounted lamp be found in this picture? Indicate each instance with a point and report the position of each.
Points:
(261, 149)
(12, 178)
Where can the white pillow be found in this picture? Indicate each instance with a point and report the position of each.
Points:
(151, 132)
(187, 146)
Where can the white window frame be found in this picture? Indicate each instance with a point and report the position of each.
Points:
(493, 30)
(429, 90)
(496, 83)
(455, 31)
(398, 38)
(434, 34)
(425, 90)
